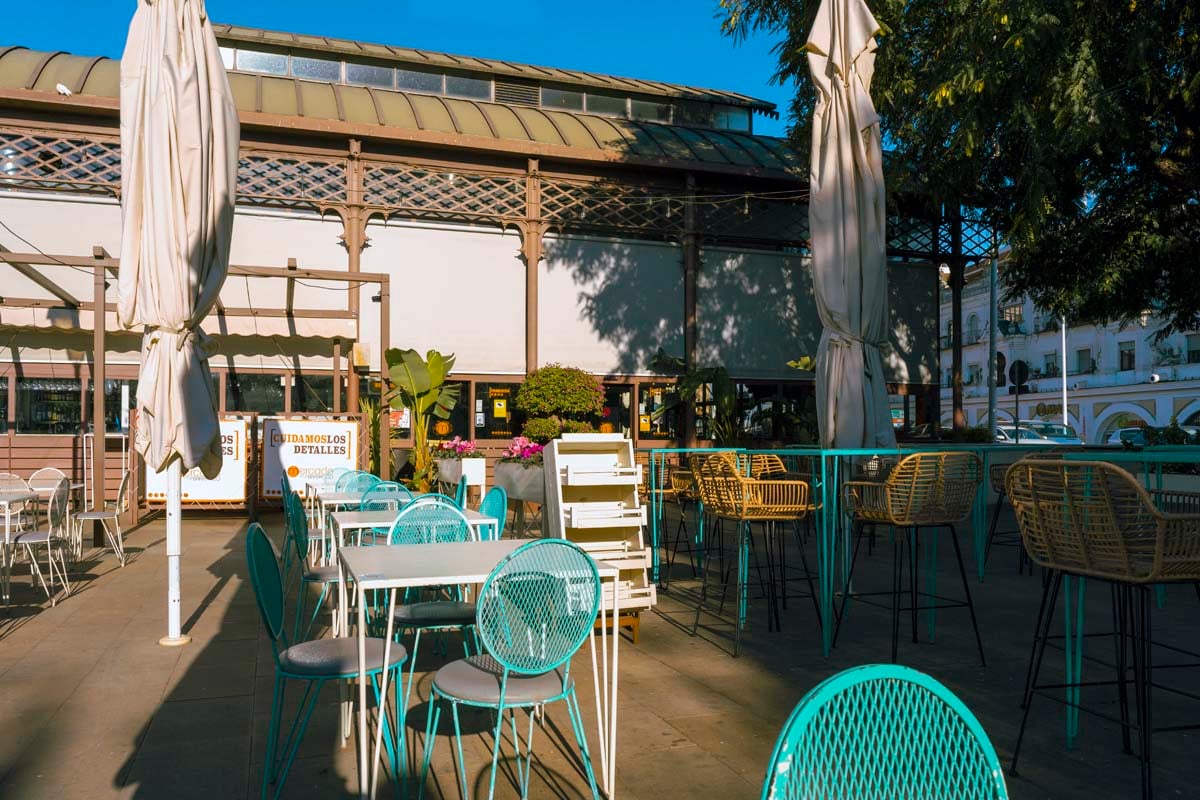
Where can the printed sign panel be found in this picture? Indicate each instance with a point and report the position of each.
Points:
(228, 487)
(305, 450)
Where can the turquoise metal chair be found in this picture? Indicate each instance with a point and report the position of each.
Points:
(534, 612)
(326, 576)
(316, 663)
(460, 493)
(357, 482)
(427, 520)
(385, 496)
(883, 731)
(495, 504)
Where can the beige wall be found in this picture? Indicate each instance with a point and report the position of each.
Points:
(607, 305)
(458, 290)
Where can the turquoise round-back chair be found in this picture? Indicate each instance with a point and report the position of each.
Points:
(431, 519)
(385, 496)
(460, 492)
(315, 663)
(298, 534)
(495, 504)
(358, 481)
(883, 730)
(534, 612)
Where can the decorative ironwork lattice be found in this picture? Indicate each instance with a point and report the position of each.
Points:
(42, 161)
(606, 206)
(267, 179)
(911, 237)
(425, 193)
(754, 220)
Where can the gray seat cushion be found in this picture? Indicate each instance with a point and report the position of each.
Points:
(477, 680)
(327, 574)
(333, 658)
(436, 612)
(32, 537)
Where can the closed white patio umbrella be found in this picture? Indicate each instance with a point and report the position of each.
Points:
(179, 152)
(847, 223)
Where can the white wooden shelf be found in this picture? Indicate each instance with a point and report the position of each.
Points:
(613, 476)
(602, 515)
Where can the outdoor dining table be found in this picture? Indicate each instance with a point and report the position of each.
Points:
(7, 501)
(457, 563)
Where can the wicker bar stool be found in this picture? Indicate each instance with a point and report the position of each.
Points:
(1008, 538)
(730, 496)
(683, 491)
(1092, 519)
(922, 491)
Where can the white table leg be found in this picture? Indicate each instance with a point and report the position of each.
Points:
(7, 555)
(612, 708)
(362, 696)
(381, 706)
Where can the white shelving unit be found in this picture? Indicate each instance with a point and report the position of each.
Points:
(592, 499)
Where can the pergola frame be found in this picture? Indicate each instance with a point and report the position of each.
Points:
(103, 265)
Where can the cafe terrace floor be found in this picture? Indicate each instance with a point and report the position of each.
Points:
(92, 707)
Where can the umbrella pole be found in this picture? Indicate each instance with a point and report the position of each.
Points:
(174, 636)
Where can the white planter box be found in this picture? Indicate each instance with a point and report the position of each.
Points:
(521, 482)
(451, 469)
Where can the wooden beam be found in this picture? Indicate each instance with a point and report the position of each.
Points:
(98, 417)
(41, 280)
(110, 264)
(385, 419)
(227, 311)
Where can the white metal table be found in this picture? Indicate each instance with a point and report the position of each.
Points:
(421, 565)
(7, 501)
(347, 522)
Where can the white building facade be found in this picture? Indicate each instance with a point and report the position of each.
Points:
(1116, 375)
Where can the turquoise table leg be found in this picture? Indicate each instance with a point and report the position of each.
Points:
(931, 580)
(979, 516)
(655, 510)
(1073, 648)
(825, 551)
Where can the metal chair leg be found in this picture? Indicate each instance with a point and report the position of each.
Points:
(962, 572)
(1035, 659)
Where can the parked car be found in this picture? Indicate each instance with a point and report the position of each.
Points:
(1058, 433)
(1135, 437)
(1008, 434)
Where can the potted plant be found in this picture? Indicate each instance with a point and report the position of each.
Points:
(458, 457)
(557, 400)
(519, 471)
(420, 386)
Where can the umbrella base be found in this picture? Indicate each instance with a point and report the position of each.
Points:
(174, 641)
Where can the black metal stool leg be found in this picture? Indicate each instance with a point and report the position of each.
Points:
(913, 537)
(1119, 594)
(962, 572)
(1047, 576)
(1040, 635)
(837, 623)
(991, 536)
(897, 583)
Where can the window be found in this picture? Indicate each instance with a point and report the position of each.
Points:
(49, 405)
(759, 405)
(1193, 348)
(974, 375)
(564, 99)
(614, 415)
(697, 114)
(732, 119)
(972, 329)
(370, 75)
(312, 393)
(119, 397)
(1083, 361)
(261, 393)
(458, 424)
(650, 110)
(658, 411)
(472, 88)
(412, 80)
(1050, 365)
(1012, 319)
(267, 63)
(227, 56)
(494, 410)
(608, 104)
(1127, 356)
(317, 69)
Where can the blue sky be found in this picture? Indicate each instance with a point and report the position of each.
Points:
(678, 41)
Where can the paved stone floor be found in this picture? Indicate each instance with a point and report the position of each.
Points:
(92, 707)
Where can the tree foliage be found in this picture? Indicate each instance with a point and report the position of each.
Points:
(1071, 124)
(557, 400)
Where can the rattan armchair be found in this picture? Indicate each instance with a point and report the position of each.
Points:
(922, 491)
(729, 496)
(1092, 519)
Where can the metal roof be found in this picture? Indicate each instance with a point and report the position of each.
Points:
(406, 55)
(272, 101)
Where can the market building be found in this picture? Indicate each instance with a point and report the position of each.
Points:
(510, 214)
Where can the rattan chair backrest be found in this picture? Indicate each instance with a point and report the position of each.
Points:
(1093, 518)
(763, 464)
(933, 488)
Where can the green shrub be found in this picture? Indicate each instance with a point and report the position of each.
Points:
(557, 399)
(541, 429)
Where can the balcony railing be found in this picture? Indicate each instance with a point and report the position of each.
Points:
(1083, 369)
